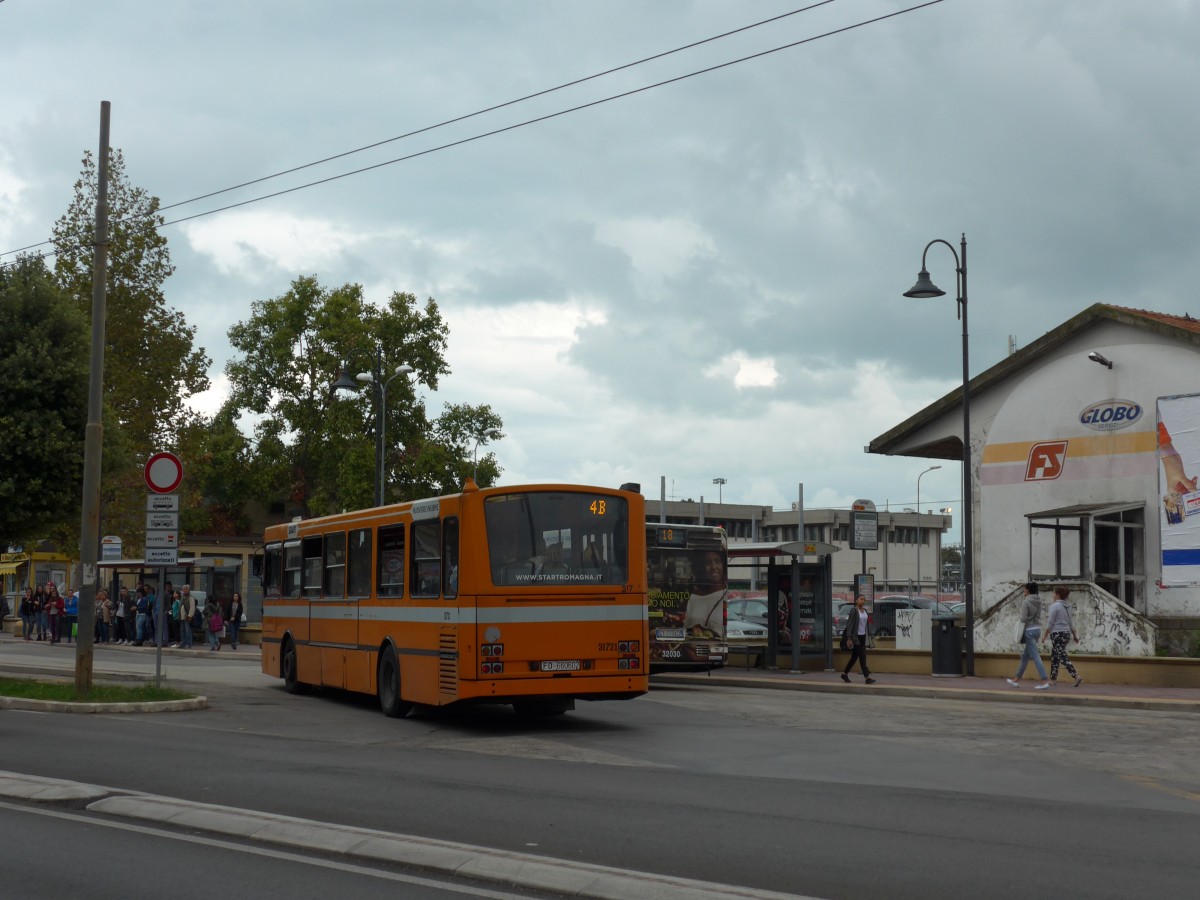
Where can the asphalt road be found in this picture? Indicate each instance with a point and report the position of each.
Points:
(831, 795)
(56, 854)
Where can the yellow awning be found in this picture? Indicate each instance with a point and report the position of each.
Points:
(9, 568)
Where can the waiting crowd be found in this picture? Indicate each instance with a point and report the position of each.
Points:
(144, 618)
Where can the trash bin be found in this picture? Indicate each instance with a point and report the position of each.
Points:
(947, 648)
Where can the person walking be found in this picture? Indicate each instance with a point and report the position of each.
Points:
(187, 612)
(54, 611)
(25, 610)
(1031, 617)
(234, 620)
(39, 611)
(70, 616)
(1060, 628)
(854, 638)
(213, 623)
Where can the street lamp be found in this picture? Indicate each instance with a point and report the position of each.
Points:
(720, 483)
(375, 377)
(925, 288)
(919, 541)
(491, 434)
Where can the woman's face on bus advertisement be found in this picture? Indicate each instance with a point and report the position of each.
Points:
(713, 570)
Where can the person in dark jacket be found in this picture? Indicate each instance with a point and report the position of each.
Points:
(854, 638)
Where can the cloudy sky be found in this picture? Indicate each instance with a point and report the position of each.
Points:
(695, 281)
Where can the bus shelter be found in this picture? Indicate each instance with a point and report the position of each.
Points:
(799, 598)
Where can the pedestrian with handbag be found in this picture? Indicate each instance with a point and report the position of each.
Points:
(854, 639)
(1031, 619)
(234, 621)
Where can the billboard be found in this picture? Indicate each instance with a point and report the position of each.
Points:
(1178, 470)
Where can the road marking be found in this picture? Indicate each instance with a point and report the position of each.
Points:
(1146, 781)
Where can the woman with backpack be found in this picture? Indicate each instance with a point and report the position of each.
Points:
(213, 623)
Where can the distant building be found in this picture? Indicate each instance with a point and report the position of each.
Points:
(904, 537)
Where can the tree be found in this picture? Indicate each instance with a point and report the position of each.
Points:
(151, 365)
(317, 451)
(43, 405)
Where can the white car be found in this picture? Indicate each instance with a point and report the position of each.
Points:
(739, 631)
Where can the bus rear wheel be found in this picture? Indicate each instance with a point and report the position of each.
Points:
(389, 686)
(291, 676)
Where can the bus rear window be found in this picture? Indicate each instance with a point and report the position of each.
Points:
(549, 538)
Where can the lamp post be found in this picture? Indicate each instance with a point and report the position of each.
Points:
(490, 435)
(720, 483)
(919, 541)
(925, 288)
(375, 377)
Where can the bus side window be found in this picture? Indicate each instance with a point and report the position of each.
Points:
(426, 558)
(313, 562)
(291, 569)
(272, 575)
(450, 558)
(335, 564)
(358, 563)
(390, 576)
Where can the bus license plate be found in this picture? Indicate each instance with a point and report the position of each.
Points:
(668, 634)
(560, 665)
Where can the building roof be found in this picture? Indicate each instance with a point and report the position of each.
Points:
(1184, 328)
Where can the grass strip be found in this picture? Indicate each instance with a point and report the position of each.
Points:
(100, 693)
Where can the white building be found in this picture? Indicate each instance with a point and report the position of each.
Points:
(1070, 476)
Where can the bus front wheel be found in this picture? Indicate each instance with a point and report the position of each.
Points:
(389, 686)
(291, 677)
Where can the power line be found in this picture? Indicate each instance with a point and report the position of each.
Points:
(515, 126)
(463, 118)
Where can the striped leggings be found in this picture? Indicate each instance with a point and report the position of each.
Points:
(1058, 654)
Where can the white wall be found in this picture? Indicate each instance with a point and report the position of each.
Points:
(1043, 403)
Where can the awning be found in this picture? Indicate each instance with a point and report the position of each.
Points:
(9, 568)
(1086, 509)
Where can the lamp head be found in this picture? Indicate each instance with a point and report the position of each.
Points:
(365, 377)
(1097, 357)
(403, 369)
(343, 382)
(924, 288)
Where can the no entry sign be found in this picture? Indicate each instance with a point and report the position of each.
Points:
(163, 473)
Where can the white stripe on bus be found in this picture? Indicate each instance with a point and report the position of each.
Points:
(463, 615)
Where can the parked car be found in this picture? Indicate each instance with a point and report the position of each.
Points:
(739, 631)
(886, 605)
(749, 609)
(882, 620)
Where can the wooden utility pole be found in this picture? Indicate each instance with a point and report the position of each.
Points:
(93, 447)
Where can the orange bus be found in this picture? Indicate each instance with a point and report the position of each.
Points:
(532, 595)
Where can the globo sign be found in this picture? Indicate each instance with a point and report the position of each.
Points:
(1109, 415)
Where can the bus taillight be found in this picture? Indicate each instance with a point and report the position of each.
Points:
(491, 650)
(493, 668)
(628, 646)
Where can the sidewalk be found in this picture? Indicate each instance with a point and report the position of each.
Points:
(1121, 696)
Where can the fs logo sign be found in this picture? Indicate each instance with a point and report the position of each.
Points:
(1046, 461)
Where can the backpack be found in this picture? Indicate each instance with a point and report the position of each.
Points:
(198, 617)
(215, 622)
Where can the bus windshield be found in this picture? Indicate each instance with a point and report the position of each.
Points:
(557, 538)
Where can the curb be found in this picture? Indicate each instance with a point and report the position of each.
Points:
(64, 706)
(525, 870)
(905, 690)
